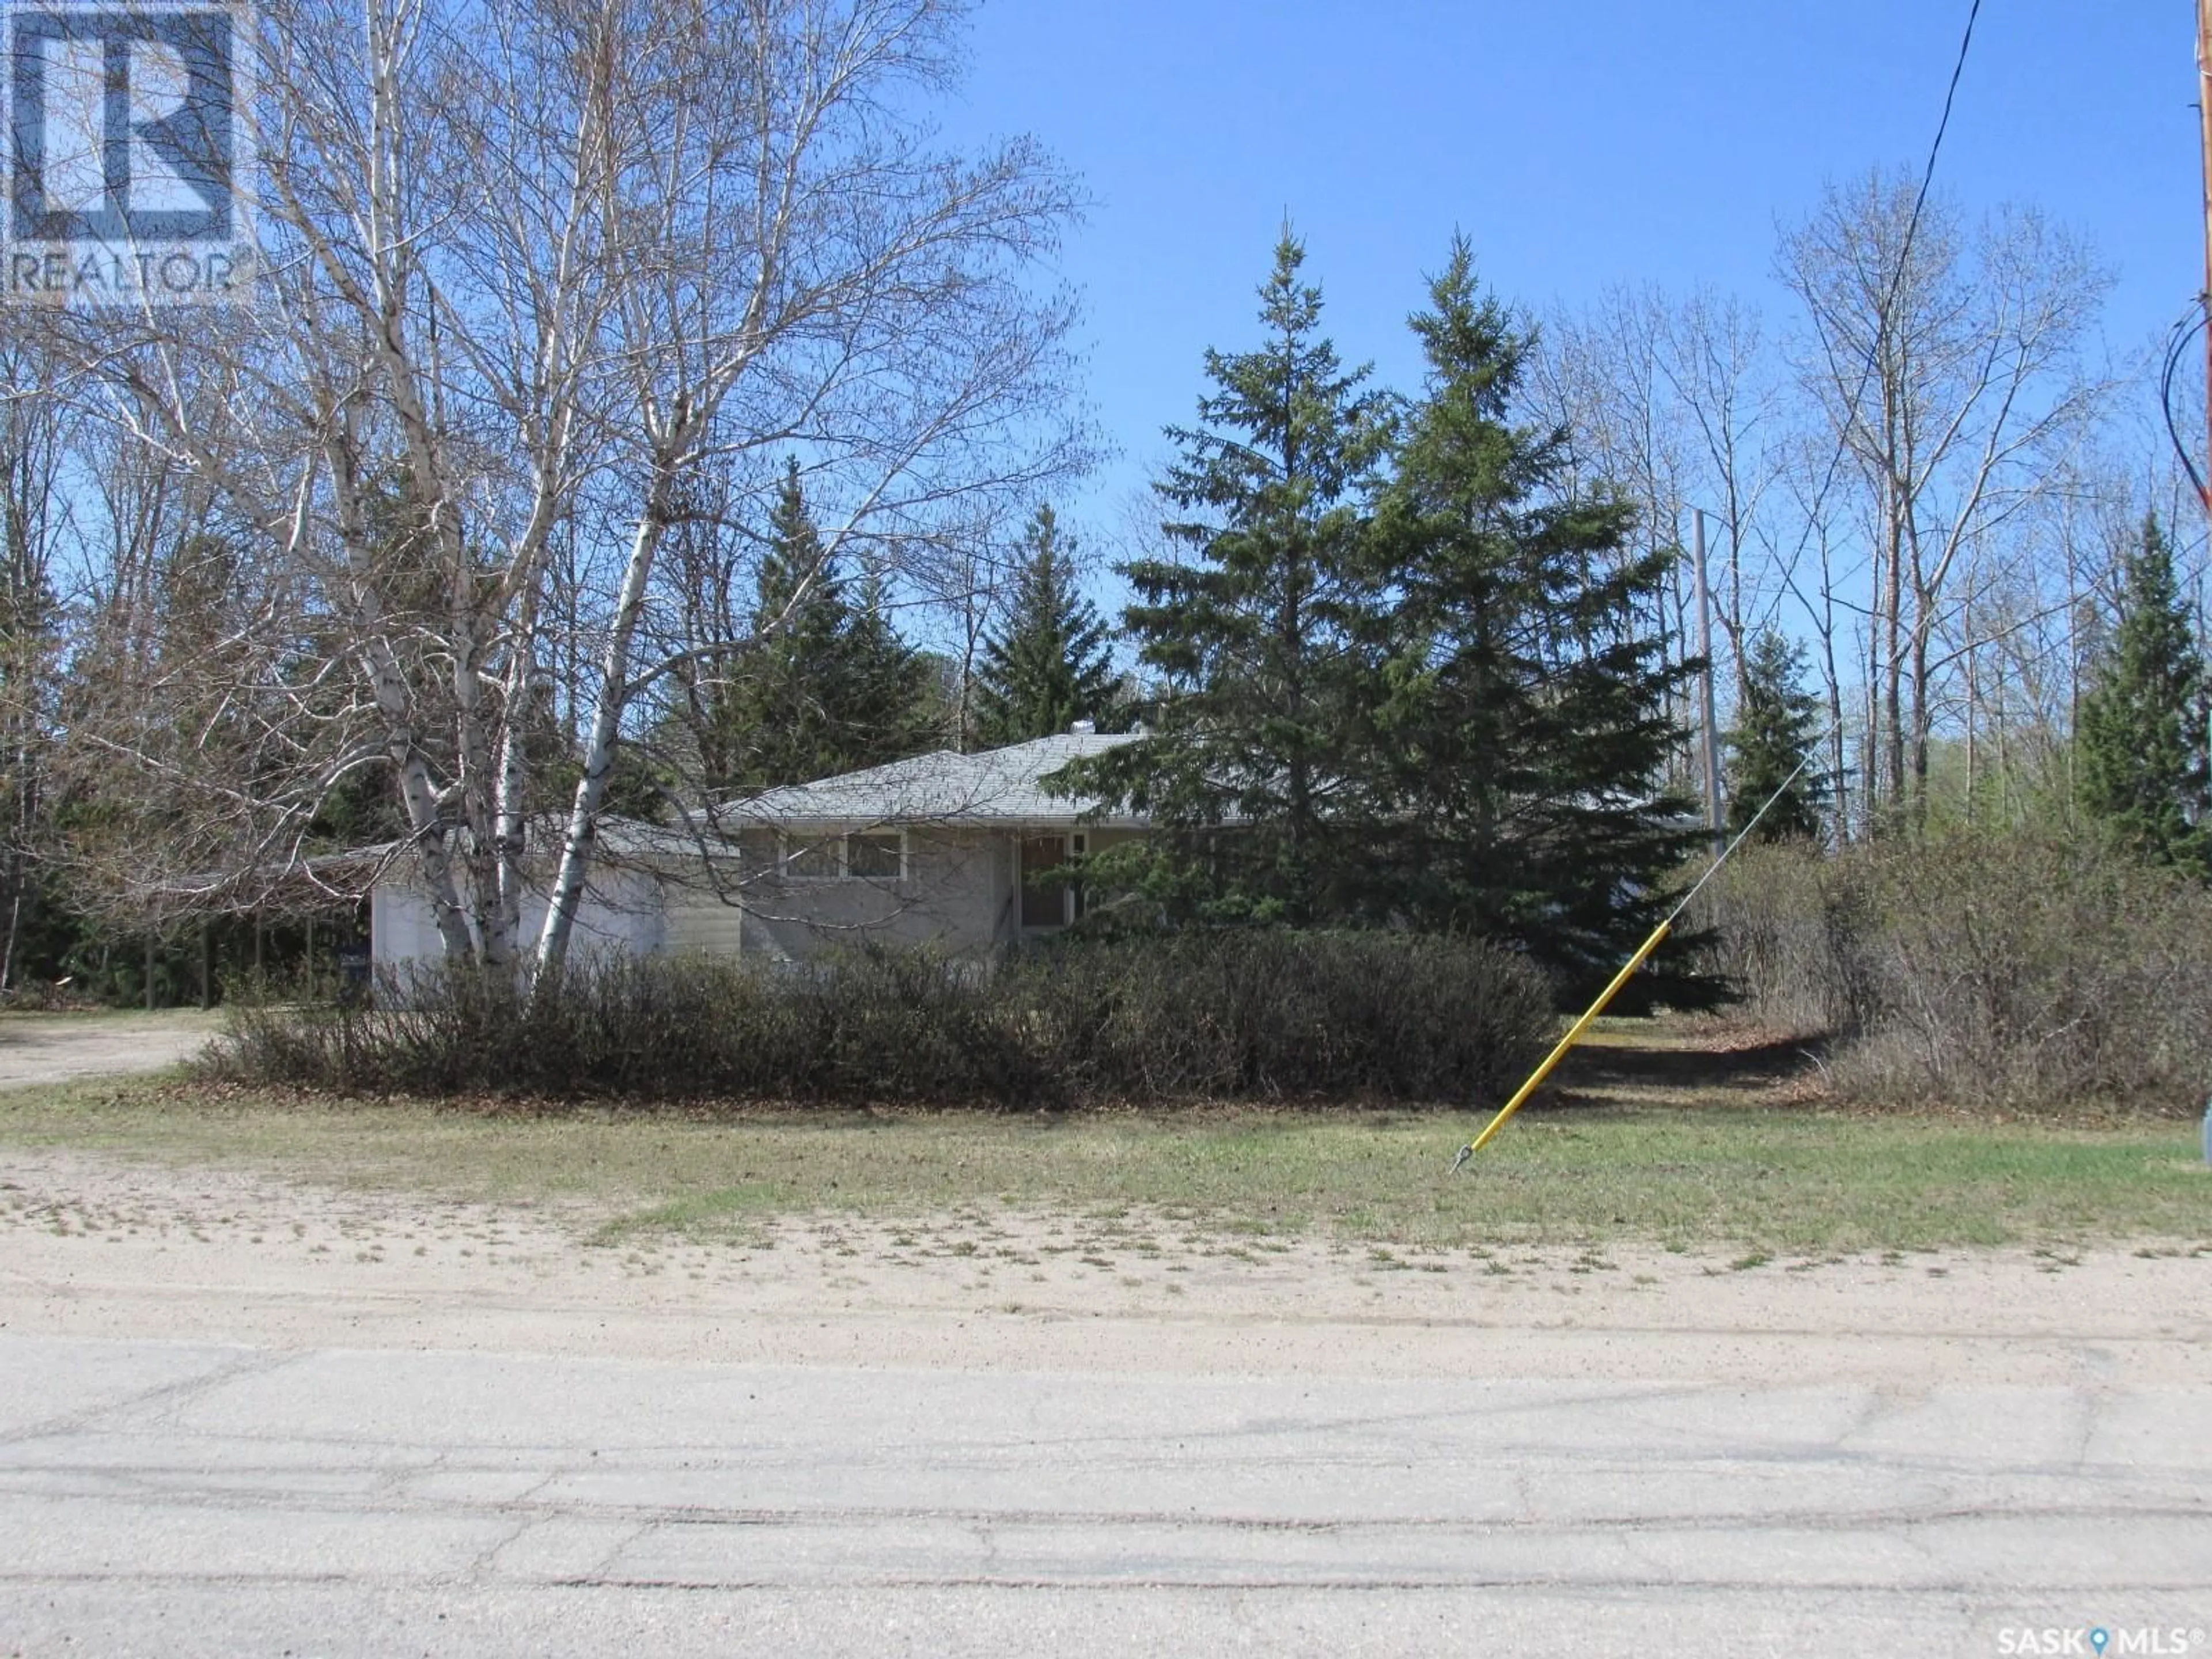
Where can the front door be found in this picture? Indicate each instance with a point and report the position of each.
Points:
(1043, 905)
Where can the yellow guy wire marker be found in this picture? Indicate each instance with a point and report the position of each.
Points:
(1643, 952)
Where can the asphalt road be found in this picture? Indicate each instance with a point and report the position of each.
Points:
(167, 1497)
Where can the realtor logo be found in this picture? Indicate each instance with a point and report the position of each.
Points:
(129, 163)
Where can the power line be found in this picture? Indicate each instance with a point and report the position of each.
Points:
(1843, 438)
(2186, 330)
(1896, 282)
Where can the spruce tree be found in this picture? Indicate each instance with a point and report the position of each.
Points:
(1243, 776)
(2142, 771)
(1524, 736)
(778, 719)
(1049, 666)
(1777, 722)
(830, 688)
(896, 705)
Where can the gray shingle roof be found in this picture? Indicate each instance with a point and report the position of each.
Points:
(997, 787)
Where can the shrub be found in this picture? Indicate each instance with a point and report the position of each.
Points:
(1181, 1017)
(1274, 1014)
(1783, 926)
(2017, 970)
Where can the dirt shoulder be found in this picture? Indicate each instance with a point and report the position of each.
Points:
(843, 1241)
(93, 1246)
(37, 1048)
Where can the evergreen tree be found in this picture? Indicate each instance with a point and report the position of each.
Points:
(1244, 777)
(2143, 768)
(830, 688)
(1525, 731)
(1777, 724)
(779, 722)
(897, 702)
(1049, 665)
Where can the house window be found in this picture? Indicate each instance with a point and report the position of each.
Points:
(878, 855)
(870, 855)
(817, 858)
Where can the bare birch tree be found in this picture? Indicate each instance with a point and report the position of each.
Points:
(1713, 357)
(1948, 360)
(1676, 403)
(1599, 375)
(534, 267)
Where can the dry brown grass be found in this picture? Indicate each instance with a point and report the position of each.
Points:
(1679, 1135)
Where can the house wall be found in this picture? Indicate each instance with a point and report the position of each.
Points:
(695, 916)
(961, 894)
(621, 910)
(952, 897)
(400, 930)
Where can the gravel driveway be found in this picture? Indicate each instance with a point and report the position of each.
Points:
(61, 1047)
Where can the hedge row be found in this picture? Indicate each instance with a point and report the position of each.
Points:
(1230, 1015)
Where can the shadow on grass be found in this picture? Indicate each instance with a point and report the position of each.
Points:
(1624, 1070)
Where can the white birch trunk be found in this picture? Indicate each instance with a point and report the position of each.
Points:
(511, 825)
(578, 843)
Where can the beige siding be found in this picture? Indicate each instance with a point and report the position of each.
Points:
(950, 897)
(700, 921)
(620, 914)
(701, 915)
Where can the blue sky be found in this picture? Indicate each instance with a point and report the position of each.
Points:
(1579, 145)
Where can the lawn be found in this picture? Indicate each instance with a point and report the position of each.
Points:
(1647, 1147)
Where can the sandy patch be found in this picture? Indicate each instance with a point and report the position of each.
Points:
(91, 1246)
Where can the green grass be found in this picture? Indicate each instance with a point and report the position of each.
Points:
(1754, 1180)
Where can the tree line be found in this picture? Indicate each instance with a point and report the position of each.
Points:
(1414, 665)
(642, 408)
(1929, 476)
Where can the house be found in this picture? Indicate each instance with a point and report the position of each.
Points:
(943, 850)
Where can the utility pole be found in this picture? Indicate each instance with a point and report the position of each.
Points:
(2204, 123)
(1712, 742)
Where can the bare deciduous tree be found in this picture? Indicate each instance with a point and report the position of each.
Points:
(535, 267)
(1948, 361)
(35, 440)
